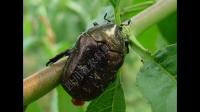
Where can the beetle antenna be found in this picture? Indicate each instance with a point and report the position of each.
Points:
(106, 18)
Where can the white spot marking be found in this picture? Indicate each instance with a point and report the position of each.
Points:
(111, 31)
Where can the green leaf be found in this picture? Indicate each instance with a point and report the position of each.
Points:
(33, 107)
(157, 82)
(168, 28)
(54, 102)
(161, 42)
(149, 38)
(112, 100)
(64, 102)
(112, 2)
(116, 6)
(167, 58)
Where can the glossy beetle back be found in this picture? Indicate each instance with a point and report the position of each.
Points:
(94, 61)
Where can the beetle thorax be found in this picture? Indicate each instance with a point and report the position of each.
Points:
(109, 34)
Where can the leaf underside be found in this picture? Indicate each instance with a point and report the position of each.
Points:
(112, 100)
(157, 80)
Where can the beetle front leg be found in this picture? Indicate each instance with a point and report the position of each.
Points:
(58, 56)
(126, 45)
(95, 24)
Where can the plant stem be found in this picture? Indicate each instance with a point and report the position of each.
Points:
(117, 12)
(117, 17)
(147, 18)
(137, 7)
(40, 83)
(152, 15)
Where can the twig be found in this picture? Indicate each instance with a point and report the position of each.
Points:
(40, 83)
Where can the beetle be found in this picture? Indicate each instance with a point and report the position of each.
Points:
(94, 60)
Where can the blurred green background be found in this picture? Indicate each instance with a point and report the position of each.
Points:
(51, 26)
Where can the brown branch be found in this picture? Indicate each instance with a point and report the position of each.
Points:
(40, 83)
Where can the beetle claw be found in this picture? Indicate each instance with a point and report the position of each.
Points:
(95, 24)
(126, 45)
(48, 63)
(51, 61)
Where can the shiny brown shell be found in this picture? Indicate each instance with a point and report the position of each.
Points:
(94, 61)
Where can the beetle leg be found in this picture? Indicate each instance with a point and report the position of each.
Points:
(126, 45)
(68, 52)
(106, 18)
(95, 24)
(58, 56)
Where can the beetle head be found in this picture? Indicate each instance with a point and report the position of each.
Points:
(111, 34)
